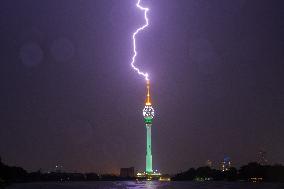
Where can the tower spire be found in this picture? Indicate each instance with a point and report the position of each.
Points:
(148, 99)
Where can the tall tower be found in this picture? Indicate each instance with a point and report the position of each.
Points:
(148, 114)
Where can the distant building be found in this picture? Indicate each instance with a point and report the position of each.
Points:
(58, 168)
(261, 158)
(209, 163)
(127, 172)
(226, 164)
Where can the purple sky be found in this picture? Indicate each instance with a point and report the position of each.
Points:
(69, 96)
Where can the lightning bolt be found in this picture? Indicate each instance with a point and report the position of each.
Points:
(145, 74)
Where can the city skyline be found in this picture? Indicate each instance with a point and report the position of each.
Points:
(69, 96)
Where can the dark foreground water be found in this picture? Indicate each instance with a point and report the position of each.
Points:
(148, 185)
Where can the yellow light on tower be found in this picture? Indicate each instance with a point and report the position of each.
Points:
(148, 99)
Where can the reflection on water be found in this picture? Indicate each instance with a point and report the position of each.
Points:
(148, 185)
(145, 184)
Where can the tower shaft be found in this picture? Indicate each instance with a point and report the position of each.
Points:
(149, 168)
(148, 114)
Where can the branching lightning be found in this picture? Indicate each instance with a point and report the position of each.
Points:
(145, 74)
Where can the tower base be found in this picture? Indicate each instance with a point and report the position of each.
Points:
(149, 176)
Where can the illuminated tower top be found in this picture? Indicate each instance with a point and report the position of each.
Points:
(148, 111)
(148, 99)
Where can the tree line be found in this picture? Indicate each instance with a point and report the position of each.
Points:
(12, 174)
(250, 172)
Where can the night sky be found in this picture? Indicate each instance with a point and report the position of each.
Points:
(69, 96)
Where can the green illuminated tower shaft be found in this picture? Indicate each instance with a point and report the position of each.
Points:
(149, 168)
(148, 113)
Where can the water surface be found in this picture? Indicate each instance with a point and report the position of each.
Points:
(148, 185)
